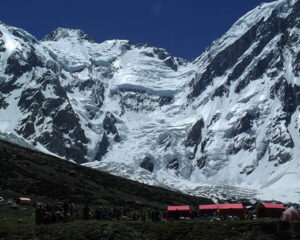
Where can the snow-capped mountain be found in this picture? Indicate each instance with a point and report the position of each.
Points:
(225, 124)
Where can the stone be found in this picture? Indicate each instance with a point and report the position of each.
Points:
(173, 164)
(171, 63)
(103, 147)
(195, 136)
(201, 162)
(109, 123)
(147, 164)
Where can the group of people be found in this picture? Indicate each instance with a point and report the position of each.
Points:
(67, 212)
(123, 213)
(46, 214)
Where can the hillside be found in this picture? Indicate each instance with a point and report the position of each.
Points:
(25, 172)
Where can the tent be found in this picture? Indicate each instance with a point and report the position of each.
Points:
(23, 200)
(223, 210)
(208, 210)
(290, 215)
(270, 210)
(176, 212)
(208, 207)
(236, 209)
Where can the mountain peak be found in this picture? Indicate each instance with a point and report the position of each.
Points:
(61, 33)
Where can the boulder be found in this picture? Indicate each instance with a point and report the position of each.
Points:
(147, 164)
(103, 147)
(195, 136)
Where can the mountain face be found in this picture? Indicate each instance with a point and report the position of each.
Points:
(226, 124)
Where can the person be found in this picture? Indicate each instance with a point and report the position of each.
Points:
(153, 215)
(38, 215)
(47, 218)
(143, 217)
(118, 214)
(157, 216)
(86, 212)
(98, 213)
(66, 211)
(165, 215)
(71, 210)
(53, 216)
(176, 215)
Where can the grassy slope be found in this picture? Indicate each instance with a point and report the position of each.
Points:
(17, 227)
(46, 178)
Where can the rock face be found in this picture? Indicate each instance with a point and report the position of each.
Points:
(195, 136)
(103, 147)
(230, 117)
(147, 164)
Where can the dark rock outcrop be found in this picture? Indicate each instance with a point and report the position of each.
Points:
(244, 124)
(27, 127)
(103, 147)
(3, 103)
(171, 63)
(201, 162)
(14, 66)
(220, 92)
(61, 33)
(161, 53)
(98, 95)
(223, 60)
(173, 164)
(147, 164)
(2, 45)
(261, 34)
(18, 64)
(54, 67)
(195, 136)
(65, 137)
(287, 95)
(109, 125)
(280, 155)
(248, 170)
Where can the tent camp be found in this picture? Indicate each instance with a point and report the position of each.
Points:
(175, 212)
(222, 210)
(270, 210)
(236, 209)
(208, 210)
(290, 215)
(23, 200)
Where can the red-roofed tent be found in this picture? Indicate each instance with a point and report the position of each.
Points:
(208, 207)
(23, 200)
(175, 212)
(236, 209)
(208, 210)
(231, 206)
(179, 208)
(270, 210)
(223, 210)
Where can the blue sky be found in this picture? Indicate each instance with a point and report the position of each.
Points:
(184, 27)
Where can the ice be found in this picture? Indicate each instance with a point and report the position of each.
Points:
(5, 126)
(11, 45)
